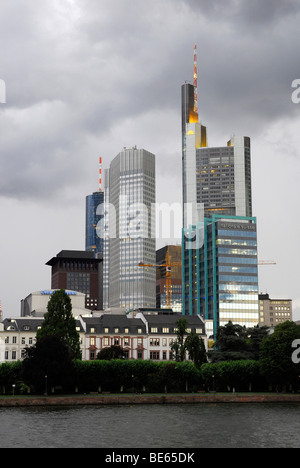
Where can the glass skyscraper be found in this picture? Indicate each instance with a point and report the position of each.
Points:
(130, 232)
(94, 223)
(219, 244)
(219, 178)
(220, 271)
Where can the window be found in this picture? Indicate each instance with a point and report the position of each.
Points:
(105, 330)
(92, 342)
(116, 330)
(154, 355)
(14, 355)
(23, 340)
(126, 330)
(140, 341)
(105, 341)
(14, 340)
(154, 330)
(92, 330)
(165, 330)
(154, 341)
(140, 331)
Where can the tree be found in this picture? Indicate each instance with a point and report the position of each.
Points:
(255, 337)
(47, 364)
(231, 344)
(114, 352)
(195, 346)
(60, 322)
(276, 355)
(178, 346)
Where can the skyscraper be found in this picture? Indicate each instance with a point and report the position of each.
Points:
(221, 271)
(131, 239)
(217, 177)
(219, 245)
(94, 223)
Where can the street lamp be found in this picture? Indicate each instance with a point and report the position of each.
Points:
(46, 385)
(13, 387)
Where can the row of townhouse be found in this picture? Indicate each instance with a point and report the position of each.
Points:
(144, 336)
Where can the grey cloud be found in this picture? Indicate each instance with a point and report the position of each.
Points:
(108, 61)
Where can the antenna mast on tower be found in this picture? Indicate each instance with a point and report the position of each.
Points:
(100, 174)
(195, 81)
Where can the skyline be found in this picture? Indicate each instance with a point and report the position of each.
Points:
(82, 83)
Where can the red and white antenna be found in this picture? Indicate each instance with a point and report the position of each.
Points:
(195, 81)
(100, 174)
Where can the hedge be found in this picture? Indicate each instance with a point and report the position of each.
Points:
(148, 376)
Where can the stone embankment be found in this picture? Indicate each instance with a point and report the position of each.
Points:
(86, 400)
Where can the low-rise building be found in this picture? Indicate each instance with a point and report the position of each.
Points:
(274, 311)
(142, 336)
(17, 334)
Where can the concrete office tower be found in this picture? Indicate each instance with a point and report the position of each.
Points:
(106, 240)
(217, 179)
(131, 194)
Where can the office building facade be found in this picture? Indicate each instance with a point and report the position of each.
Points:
(220, 271)
(94, 223)
(79, 271)
(219, 240)
(131, 228)
(272, 312)
(216, 180)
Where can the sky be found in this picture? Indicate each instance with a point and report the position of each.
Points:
(85, 78)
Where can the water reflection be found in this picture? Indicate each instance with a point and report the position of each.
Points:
(152, 426)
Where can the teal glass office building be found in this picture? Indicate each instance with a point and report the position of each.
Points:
(220, 271)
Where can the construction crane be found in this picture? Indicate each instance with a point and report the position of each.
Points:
(168, 266)
(266, 262)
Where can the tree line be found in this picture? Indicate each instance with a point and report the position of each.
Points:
(243, 359)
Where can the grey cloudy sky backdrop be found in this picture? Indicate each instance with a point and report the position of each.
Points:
(87, 77)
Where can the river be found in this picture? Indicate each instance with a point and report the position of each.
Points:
(220, 425)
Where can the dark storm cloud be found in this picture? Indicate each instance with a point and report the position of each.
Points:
(250, 13)
(77, 70)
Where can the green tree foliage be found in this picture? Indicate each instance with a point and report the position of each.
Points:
(196, 349)
(47, 363)
(276, 355)
(113, 352)
(190, 342)
(178, 346)
(60, 322)
(235, 342)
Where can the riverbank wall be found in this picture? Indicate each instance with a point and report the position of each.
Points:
(89, 400)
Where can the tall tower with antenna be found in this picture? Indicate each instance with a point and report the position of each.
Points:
(195, 81)
(94, 218)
